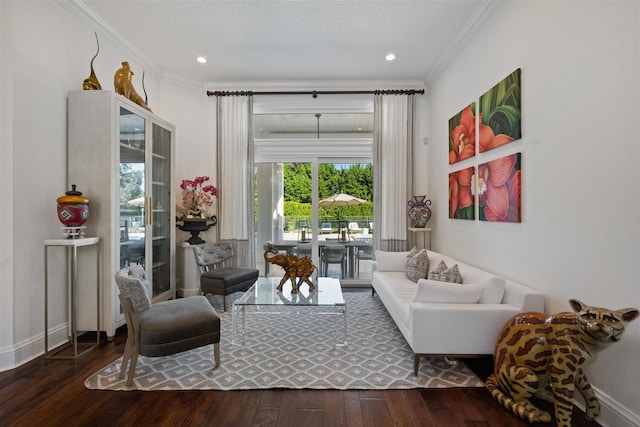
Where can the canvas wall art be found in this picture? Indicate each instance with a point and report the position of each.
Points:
(461, 199)
(462, 134)
(500, 112)
(499, 189)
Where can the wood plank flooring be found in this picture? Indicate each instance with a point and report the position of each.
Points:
(52, 393)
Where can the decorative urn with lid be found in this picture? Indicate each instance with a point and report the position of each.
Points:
(73, 208)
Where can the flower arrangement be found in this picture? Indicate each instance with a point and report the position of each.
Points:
(197, 197)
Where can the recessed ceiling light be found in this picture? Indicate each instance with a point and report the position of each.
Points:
(201, 59)
(390, 57)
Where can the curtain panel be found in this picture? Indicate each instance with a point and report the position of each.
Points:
(393, 171)
(234, 136)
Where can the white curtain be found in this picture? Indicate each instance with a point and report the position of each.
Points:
(235, 176)
(393, 170)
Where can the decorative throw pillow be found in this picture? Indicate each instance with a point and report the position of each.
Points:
(417, 264)
(451, 274)
(442, 266)
(133, 285)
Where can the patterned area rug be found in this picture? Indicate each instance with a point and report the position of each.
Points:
(297, 350)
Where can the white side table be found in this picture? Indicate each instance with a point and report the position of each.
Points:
(72, 246)
(424, 232)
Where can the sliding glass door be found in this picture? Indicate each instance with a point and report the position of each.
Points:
(319, 208)
(307, 151)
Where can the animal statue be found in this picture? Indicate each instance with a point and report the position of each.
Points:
(91, 82)
(124, 87)
(297, 270)
(542, 355)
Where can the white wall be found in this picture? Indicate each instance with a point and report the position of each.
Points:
(580, 230)
(193, 114)
(45, 52)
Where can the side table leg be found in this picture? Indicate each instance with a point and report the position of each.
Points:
(46, 301)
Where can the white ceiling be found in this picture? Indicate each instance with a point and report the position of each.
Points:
(284, 41)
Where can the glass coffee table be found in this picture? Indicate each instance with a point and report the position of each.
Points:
(263, 297)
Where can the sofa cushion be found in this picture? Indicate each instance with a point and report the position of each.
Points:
(417, 264)
(433, 291)
(391, 261)
(446, 274)
(493, 285)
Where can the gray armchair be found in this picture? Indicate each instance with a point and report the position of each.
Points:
(164, 328)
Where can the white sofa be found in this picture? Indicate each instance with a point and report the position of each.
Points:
(440, 319)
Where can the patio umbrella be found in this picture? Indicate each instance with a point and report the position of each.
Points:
(139, 202)
(340, 199)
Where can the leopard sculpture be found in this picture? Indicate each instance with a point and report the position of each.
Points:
(537, 353)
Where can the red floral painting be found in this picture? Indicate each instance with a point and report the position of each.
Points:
(500, 113)
(462, 135)
(499, 189)
(461, 200)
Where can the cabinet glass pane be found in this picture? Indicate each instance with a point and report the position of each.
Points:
(132, 194)
(161, 187)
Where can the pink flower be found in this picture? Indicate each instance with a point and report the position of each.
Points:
(196, 197)
(499, 189)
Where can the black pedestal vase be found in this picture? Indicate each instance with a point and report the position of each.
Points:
(195, 226)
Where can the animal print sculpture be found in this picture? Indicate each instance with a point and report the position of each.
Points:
(298, 270)
(124, 87)
(537, 352)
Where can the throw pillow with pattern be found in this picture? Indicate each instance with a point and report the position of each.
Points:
(417, 264)
(444, 274)
(133, 285)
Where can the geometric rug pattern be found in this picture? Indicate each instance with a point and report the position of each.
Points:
(296, 349)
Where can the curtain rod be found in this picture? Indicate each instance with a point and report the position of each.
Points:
(315, 93)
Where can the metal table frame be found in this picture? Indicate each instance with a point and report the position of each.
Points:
(72, 246)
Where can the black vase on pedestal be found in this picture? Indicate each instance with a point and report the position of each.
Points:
(195, 226)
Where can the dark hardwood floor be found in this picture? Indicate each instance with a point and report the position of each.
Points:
(52, 393)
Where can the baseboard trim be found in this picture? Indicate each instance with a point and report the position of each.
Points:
(612, 413)
(20, 353)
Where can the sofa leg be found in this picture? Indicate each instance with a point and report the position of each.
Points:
(373, 292)
(416, 364)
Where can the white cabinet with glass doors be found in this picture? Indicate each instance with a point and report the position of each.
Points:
(120, 156)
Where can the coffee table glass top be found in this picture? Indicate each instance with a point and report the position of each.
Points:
(327, 293)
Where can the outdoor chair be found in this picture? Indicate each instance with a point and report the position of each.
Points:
(333, 254)
(325, 227)
(354, 228)
(163, 328)
(217, 279)
(363, 253)
(302, 250)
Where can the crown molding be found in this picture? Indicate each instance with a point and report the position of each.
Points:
(467, 32)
